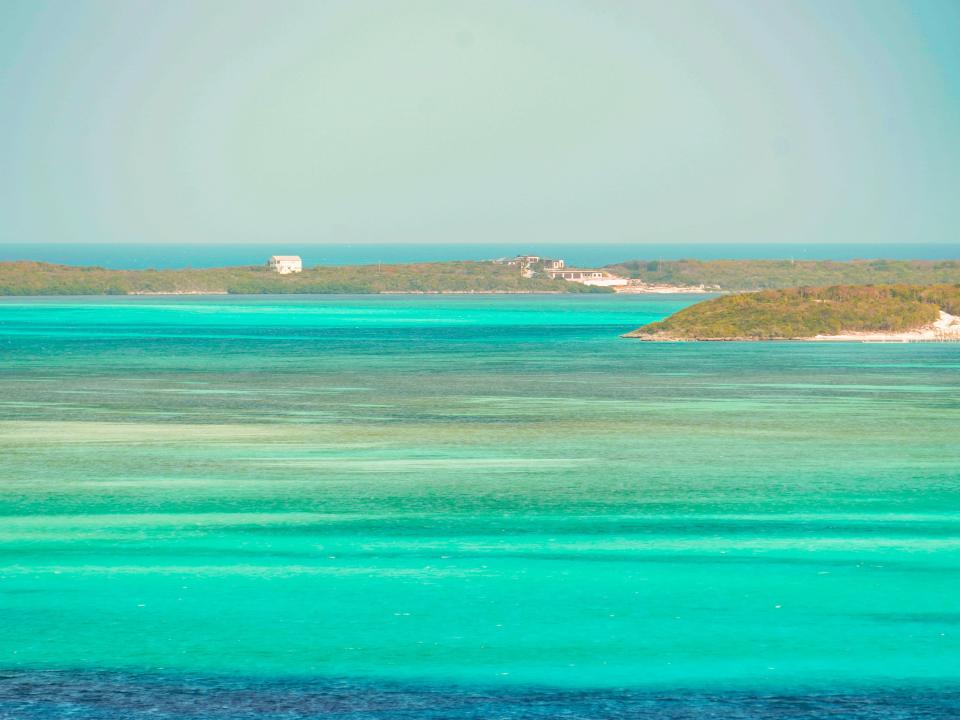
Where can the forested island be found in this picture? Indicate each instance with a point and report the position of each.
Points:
(34, 278)
(723, 276)
(739, 275)
(882, 312)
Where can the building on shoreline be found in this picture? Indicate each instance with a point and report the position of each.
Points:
(532, 265)
(556, 269)
(525, 262)
(285, 264)
(587, 276)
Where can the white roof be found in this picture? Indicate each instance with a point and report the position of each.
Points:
(286, 258)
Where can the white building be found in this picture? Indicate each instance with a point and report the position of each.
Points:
(587, 277)
(286, 264)
(607, 281)
(528, 261)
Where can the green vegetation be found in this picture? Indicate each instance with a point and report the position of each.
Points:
(737, 275)
(806, 312)
(32, 278)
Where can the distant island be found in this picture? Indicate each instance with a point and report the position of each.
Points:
(33, 278)
(287, 274)
(877, 313)
(740, 275)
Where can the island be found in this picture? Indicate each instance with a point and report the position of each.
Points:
(35, 278)
(741, 275)
(865, 313)
(287, 274)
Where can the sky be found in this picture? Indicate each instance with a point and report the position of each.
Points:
(560, 121)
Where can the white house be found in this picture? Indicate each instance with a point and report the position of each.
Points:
(529, 264)
(528, 260)
(286, 264)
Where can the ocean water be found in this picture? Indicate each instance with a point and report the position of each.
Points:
(468, 507)
(132, 256)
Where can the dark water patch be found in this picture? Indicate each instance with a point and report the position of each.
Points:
(931, 618)
(94, 695)
(601, 527)
(108, 554)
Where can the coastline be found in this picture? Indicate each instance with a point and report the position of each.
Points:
(631, 290)
(660, 289)
(175, 292)
(945, 329)
(468, 292)
(172, 293)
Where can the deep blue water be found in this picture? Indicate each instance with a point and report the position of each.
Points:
(114, 696)
(137, 256)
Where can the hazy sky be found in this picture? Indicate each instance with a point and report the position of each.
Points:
(549, 121)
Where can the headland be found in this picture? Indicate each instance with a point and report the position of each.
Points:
(840, 313)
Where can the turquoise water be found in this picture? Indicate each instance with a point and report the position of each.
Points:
(490, 492)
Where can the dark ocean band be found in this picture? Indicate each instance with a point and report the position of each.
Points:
(89, 695)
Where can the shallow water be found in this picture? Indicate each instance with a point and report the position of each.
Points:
(495, 497)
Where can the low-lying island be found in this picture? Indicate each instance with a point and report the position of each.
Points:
(840, 313)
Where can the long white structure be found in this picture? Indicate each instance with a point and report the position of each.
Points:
(587, 276)
(286, 264)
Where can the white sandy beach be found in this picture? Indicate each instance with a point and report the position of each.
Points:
(945, 329)
(657, 289)
(177, 292)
